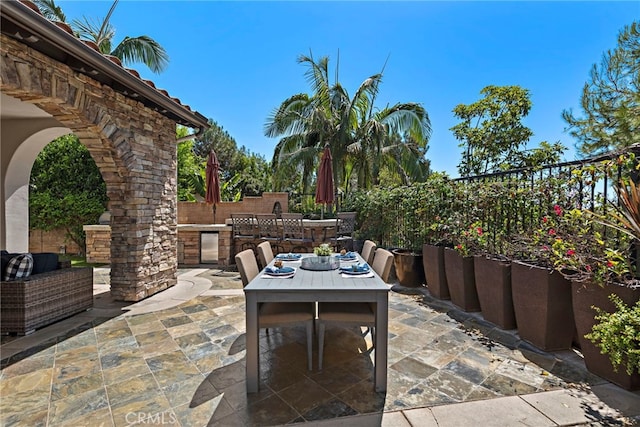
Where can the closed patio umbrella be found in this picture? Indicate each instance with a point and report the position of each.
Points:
(324, 186)
(213, 182)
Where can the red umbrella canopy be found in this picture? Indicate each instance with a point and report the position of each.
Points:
(213, 182)
(324, 186)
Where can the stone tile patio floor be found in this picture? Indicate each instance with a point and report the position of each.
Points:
(178, 359)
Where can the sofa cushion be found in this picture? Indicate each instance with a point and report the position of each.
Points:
(43, 262)
(18, 267)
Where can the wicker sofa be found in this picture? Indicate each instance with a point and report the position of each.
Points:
(43, 298)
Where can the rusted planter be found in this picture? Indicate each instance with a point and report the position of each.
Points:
(542, 305)
(493, 284)
(586, 295)
(408, 265)
(435, 276)
(461, 280)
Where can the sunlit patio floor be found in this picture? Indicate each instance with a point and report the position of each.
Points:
(178, 359)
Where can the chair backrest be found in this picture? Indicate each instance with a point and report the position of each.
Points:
(292, 226)
(382, 262)
(247, 266)
(368, 250)
(345, 224)
(268, 226)
(265, 253)
(243, 224)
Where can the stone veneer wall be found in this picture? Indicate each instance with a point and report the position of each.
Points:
(135, 149)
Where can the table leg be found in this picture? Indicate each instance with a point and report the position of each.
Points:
(382, 325)
(252, 345)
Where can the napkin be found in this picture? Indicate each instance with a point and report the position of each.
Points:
(356, 267)
(347, 256)
(281, 270)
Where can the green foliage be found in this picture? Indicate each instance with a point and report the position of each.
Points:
(66, 189)
(491, 131)
(610, 100)
(365, 142)
(242, 173)
(617, 334)
(130, 50)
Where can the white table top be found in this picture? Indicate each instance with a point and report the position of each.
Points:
(315, 282)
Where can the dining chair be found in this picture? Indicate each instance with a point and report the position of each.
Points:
(344, 314)
(278, 314)
(243, 230)
(294, 232)
(368, 251)
(265, 254)
(342, 231)
(270, 231)
(382, 262)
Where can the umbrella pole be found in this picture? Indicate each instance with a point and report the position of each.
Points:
(214, 213)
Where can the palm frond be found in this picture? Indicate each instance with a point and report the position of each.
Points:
(51, 10)
(142, 49)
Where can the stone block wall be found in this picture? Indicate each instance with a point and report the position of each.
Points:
(52, 241)
(202, 213)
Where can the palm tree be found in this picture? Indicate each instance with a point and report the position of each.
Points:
(130, 50)
(362, 141)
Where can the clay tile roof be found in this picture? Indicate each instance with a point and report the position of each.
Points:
(201, 120)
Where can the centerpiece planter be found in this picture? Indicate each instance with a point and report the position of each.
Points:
(408, 265)
(493, 284)
(542, 306)
(585, 296)
(433, 265)
(461, 280)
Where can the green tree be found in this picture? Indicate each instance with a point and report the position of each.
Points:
(242, 173)
(610, 99)
(491, 131)
(130, 50)
(66, 189)
(362, 139)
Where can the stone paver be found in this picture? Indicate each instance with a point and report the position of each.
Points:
(180, 355)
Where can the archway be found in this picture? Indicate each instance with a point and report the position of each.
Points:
(130, 133)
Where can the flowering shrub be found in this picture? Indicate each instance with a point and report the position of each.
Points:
(582, 251)
(472, 240)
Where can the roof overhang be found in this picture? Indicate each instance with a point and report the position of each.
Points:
(34, 30)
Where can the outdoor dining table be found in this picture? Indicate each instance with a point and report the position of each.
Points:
(316, 286)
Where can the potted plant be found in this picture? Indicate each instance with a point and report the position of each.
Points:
(407, 257)
(596, 258)
(323, 252)
(617, 335)
(458, 260)
(433, 210)
(541, 295)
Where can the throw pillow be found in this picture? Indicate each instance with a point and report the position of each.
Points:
(18, 267)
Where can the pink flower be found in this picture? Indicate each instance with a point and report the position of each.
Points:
(480, 231)
(610, 264)
(587, 267)
(571, 252)
(545, 219)
(558, 210)
(545, 248)
(552, 232)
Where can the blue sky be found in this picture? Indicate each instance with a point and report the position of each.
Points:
(235, 61)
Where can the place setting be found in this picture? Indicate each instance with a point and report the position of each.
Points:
(356, 270)
(289, 257)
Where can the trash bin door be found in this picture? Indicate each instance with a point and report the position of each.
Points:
(208, 248)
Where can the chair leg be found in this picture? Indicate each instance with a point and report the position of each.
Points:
(320, 344)
(310, 345)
